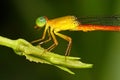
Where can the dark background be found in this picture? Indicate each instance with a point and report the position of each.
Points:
(102, 49)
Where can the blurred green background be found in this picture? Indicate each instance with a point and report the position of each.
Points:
(99, 48)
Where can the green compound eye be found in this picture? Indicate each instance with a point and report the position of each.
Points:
(41, 21)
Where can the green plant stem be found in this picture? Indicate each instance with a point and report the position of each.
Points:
(39, 54)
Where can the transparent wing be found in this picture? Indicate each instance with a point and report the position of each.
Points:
(111, 21)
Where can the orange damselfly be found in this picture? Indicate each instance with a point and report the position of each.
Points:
(54, 26)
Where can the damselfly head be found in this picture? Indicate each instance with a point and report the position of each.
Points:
(41, 21)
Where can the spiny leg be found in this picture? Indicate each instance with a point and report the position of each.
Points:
(54, 40)
(47, 39)
(68, 39)
(43, 36)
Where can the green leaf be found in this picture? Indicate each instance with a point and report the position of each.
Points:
(40, 55)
